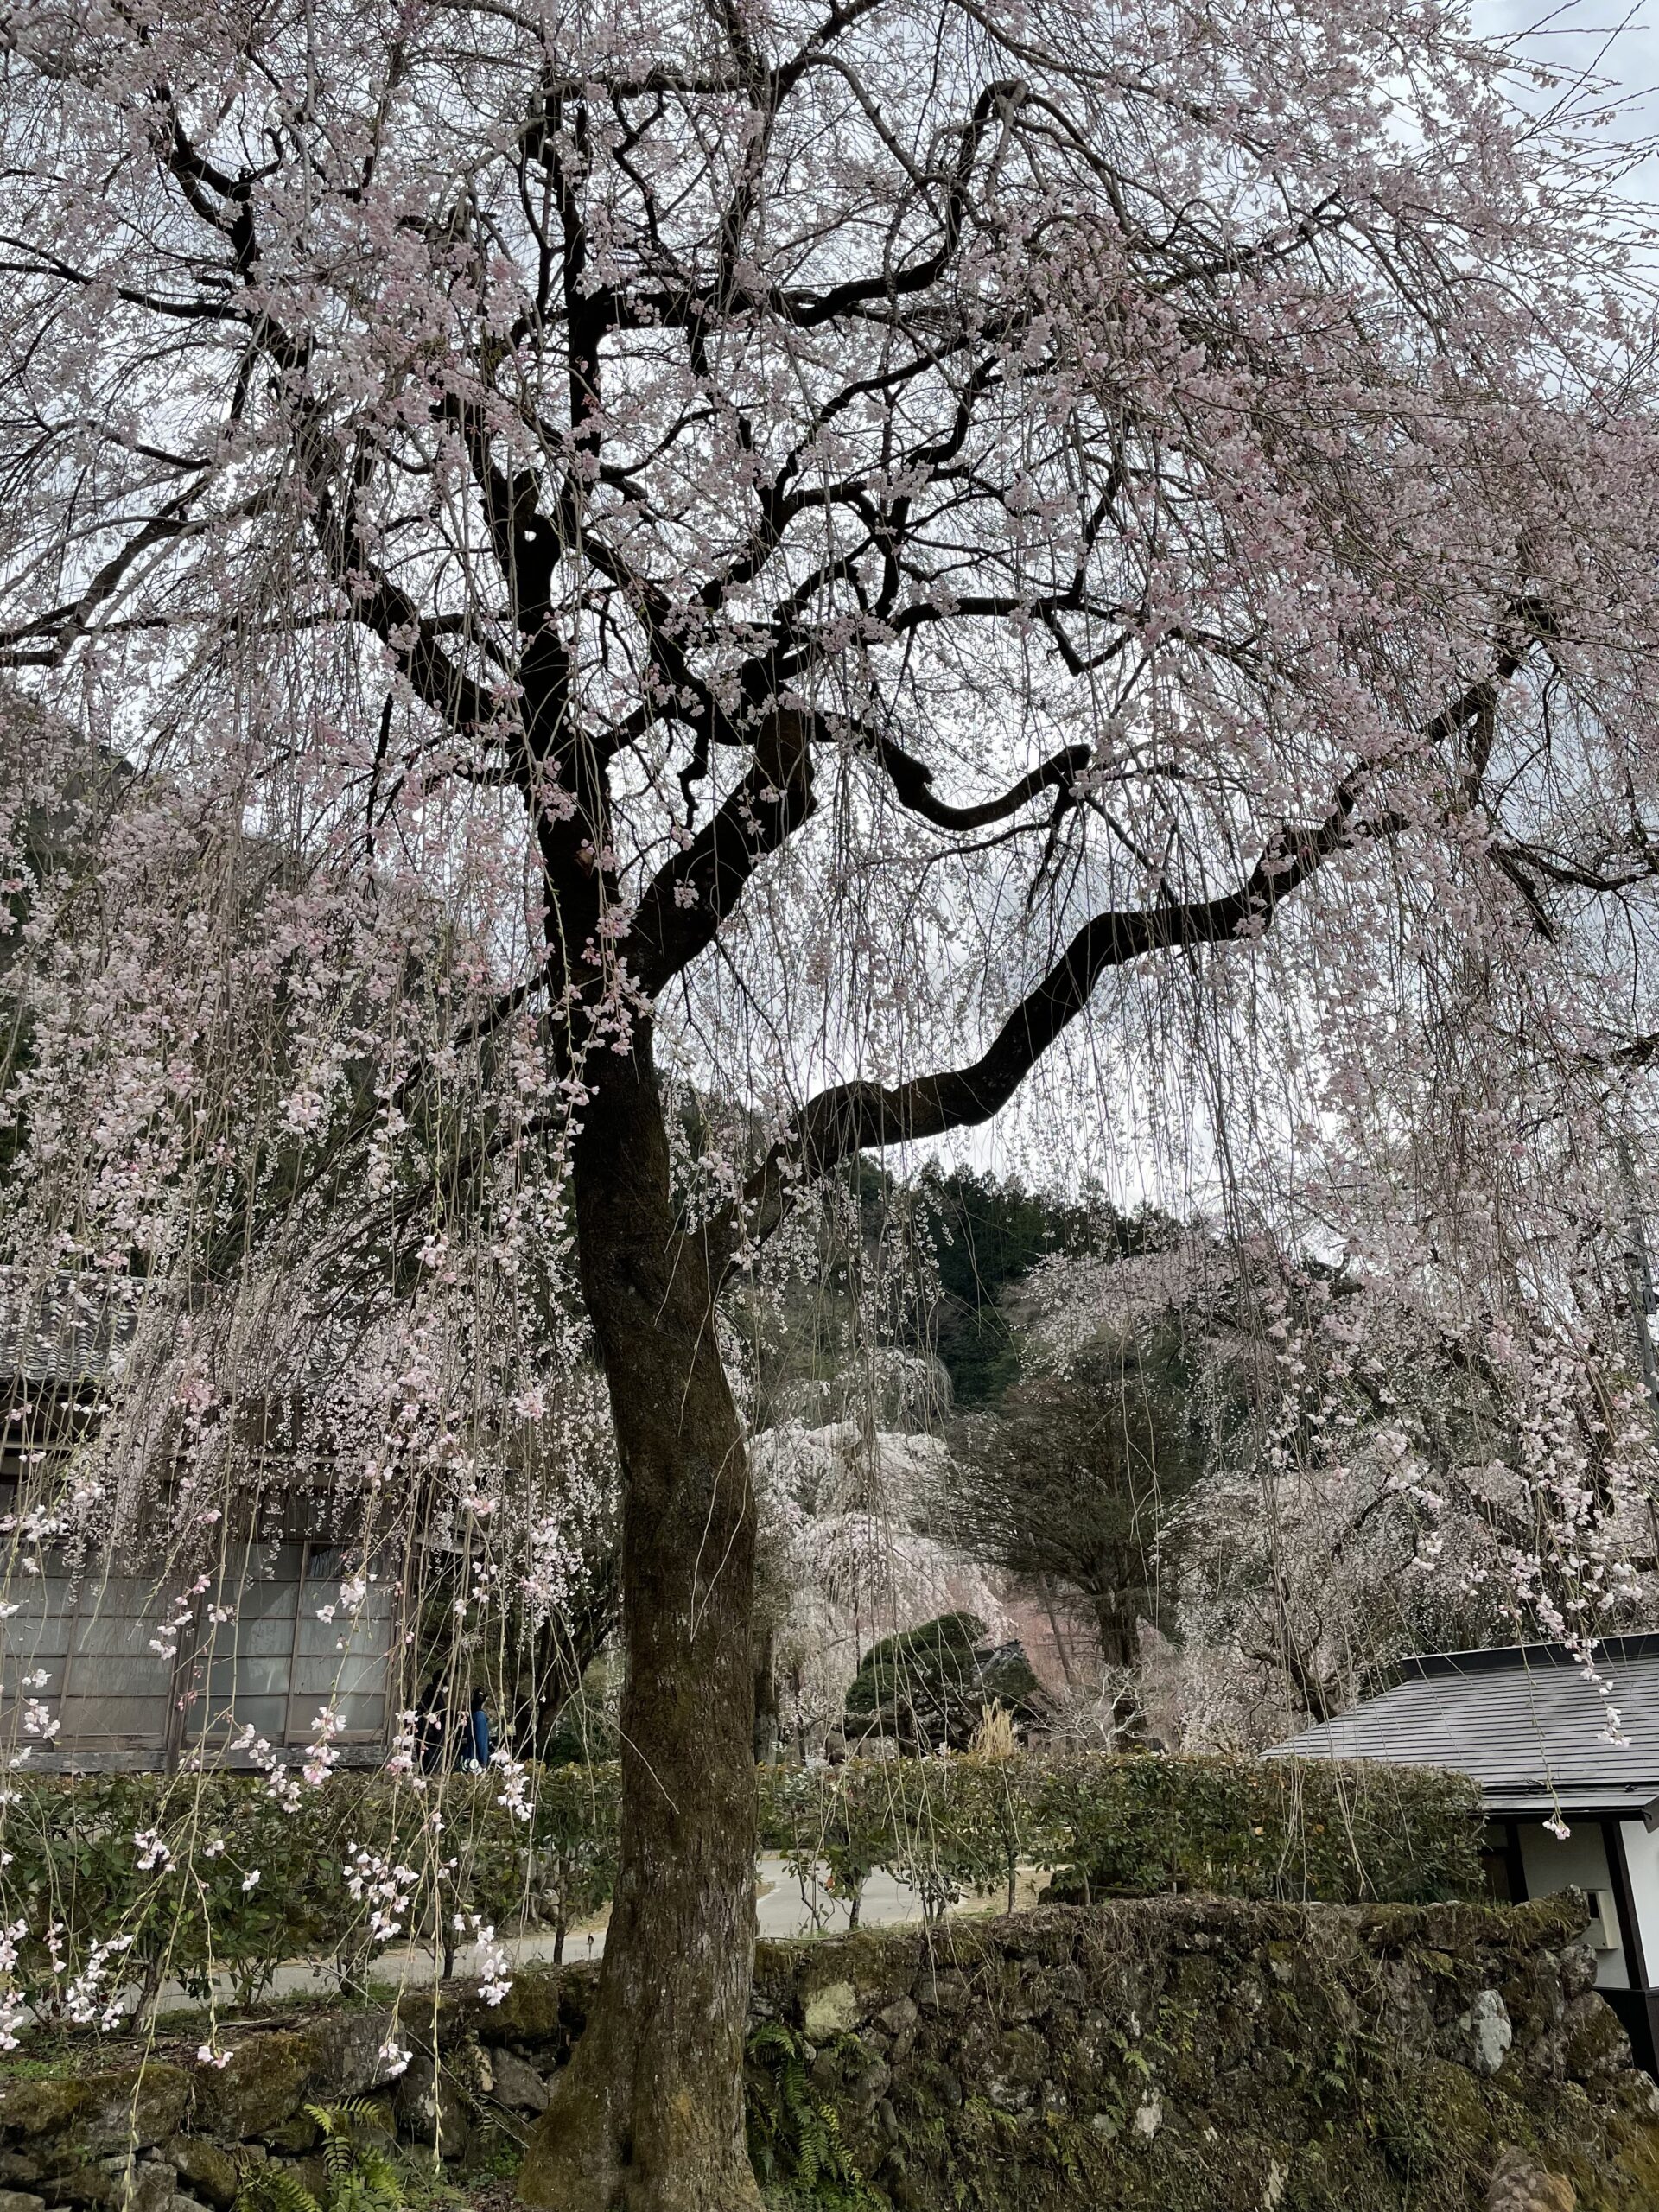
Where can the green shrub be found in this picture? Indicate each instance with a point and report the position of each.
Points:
(938, 1655)
(930, 1685)
(239, 1881)
(1137, 1826)
(1133, 1826)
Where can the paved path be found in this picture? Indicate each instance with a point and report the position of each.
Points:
(781, 1909)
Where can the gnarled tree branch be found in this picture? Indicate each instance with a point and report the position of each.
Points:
(687, 900)
(848, 1116)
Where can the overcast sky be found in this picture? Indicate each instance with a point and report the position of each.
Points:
(1621, 45)
(1579, 33)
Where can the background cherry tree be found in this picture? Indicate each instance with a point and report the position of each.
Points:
(1301, 1469)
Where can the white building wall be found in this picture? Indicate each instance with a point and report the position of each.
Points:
(1577, 1860)
(1641, 1856)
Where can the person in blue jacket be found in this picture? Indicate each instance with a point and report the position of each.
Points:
(430, 1728)
(476, 1748)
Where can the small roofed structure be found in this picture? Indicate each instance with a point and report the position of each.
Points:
(1567, 1803)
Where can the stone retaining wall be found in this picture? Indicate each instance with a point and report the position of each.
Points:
(1190, 2055)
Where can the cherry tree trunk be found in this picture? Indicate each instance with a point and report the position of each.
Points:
(648, 2116)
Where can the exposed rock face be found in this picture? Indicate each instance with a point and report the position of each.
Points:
(516, 2084)
(1485, 2027)
(431, 2107)
(144, 2185)
(205, 2170)
(1180, 2054)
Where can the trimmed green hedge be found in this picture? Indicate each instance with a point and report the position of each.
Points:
(1277, 1828)
(239, 1882)
(1134, 1827)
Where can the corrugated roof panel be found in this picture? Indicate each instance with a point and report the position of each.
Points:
(1533, 1728)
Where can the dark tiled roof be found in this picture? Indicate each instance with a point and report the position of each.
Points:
(1523, 1722)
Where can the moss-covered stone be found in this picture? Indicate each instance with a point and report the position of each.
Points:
(1171, 2055)
(348, 2053)
(82, 2184)
(295, 2136)
(134, 2107)
(1176, 2053)
(85, 2115)
(206, 2169)
(537, 2010)
(42, 2108)
(1594, 2046)
(263, 2081)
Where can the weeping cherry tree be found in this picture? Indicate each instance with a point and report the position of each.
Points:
(844, 554)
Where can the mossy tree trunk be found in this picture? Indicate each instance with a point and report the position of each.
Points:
(648, 2116)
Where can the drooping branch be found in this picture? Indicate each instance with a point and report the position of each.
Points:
(848, 1116)
(62, 626)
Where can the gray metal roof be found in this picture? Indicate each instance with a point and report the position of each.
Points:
(1523, 1722)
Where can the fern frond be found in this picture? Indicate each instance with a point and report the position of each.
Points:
(381, 2179)
(274, 2189)
(349, 2116)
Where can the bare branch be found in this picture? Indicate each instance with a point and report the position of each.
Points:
(912, 781)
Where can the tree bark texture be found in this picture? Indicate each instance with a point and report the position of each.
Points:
(648, 2116)
(1116, 1611)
